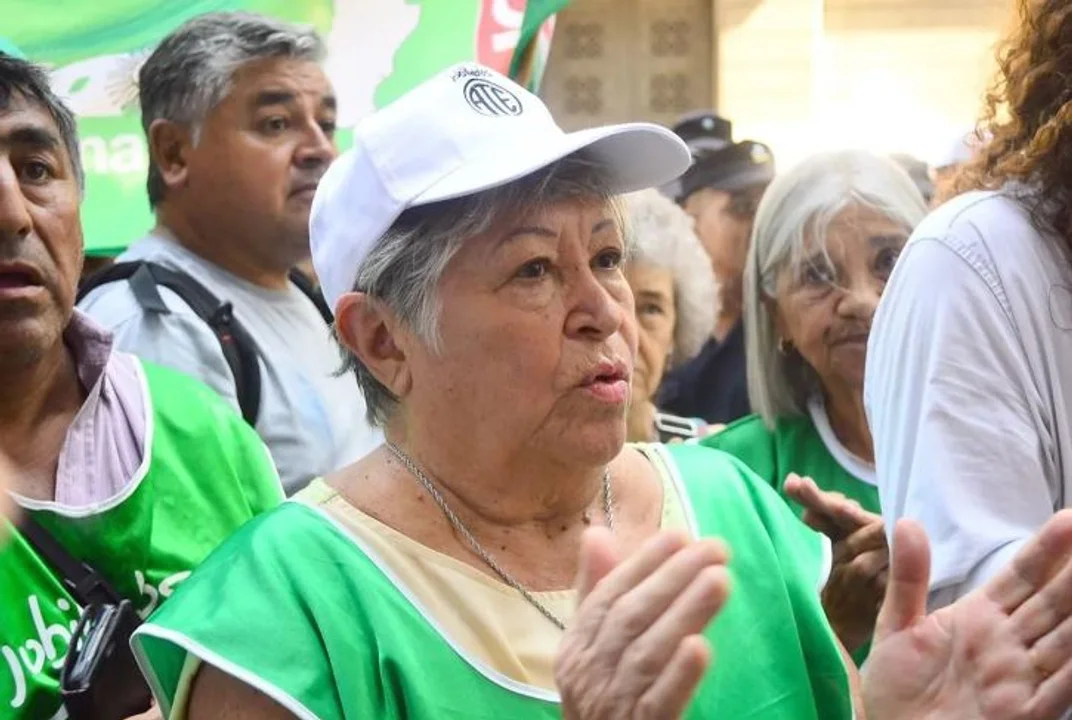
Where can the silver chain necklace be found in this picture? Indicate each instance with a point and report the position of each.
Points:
(459, 526)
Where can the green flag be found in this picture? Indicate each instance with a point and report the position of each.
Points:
(534, 41)
(377, 50)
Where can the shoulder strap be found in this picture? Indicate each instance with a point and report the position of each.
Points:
(312, 292)
(238, 347)
(85, 584)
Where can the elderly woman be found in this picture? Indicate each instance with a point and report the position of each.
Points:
(474, 259)
(826, 238)
(675, 300)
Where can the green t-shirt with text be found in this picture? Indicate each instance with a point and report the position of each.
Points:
(206, 474)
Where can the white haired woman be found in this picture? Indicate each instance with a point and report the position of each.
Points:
(826, 237)
(676, 302)
(474, 261)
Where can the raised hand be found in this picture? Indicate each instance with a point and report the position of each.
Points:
(857, 583)
(1002, 653)
(830, 513)
(634, 649)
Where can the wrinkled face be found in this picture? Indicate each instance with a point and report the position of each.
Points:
(656, 317)
(724, 226)
(825, 308)
(260, 154)
(40, 233)
(538, 338)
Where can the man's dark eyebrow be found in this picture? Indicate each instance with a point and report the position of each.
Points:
(267, 98)
(36, 137)
(273, 97)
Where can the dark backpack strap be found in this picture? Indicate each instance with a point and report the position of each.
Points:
(312, 292)
(239, 350)
(85, 584)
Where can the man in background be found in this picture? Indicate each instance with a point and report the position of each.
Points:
(240, 121)
(721, 192)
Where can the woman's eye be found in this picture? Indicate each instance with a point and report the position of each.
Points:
(650, 309)
(884, 262)
(609, 259)
(815, 274)
(535, 269)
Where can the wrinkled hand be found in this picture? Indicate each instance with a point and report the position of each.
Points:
(857, 584)
(1002, 653)
(830, 513)
(634, 649)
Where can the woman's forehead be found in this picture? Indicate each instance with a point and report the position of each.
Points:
(584, 216)
(852, 225)
(572, 209)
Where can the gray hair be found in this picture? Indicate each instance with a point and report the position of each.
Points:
(190, 72)
(404, 268)
(796, 206)
(19, 77)
(663, 236)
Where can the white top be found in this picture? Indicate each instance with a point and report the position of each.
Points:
(969, 387)
(851, 462)
(311, 421)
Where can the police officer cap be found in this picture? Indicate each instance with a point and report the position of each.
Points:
(735, 167)
(703, 130)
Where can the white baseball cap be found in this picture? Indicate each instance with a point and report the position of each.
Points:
(465, 130)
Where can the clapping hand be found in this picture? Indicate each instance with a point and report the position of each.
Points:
(1002, 653)
(857, 583)
(634, 648)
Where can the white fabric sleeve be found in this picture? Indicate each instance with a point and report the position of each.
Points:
(955, 416)
(179, 340)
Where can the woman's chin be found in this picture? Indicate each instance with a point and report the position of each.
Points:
(597, 443)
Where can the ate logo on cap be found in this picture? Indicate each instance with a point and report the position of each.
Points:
(490, 99)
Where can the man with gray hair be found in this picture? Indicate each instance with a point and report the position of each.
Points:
(240, 121)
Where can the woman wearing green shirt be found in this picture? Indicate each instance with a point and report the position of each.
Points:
(826, 238)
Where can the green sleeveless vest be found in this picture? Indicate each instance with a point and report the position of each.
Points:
(332, 635)
(205, 474)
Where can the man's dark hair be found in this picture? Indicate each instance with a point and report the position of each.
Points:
(19, 77)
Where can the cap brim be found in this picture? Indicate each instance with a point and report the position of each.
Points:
(636, 156)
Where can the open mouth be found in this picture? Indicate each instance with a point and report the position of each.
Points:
(608, 382)
(855, 339)
(18, 277)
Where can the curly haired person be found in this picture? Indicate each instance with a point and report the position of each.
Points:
(969, 369)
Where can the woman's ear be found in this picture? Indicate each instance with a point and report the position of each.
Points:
(371, 332)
